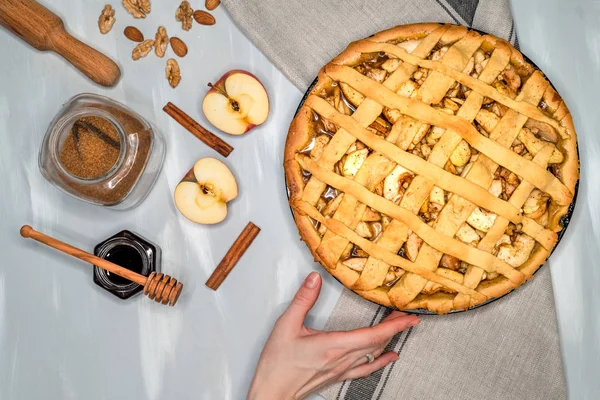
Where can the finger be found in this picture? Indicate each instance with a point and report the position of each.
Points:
(391, 316)
(379, 334)
(367, 369)
(361, 358)
(303, 301)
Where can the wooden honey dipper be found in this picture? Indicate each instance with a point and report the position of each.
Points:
(158, 287)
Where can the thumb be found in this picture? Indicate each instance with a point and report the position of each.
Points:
(305, 299)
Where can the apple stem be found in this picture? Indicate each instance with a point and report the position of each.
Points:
(234, 104)
(218, 89)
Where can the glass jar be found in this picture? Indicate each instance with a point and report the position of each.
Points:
(139, 154)
(128, 250)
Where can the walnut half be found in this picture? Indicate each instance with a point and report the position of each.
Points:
(184, 15)
(161, 40)
(142, 49)
(106, 19)
(173, 72)
(137, 8)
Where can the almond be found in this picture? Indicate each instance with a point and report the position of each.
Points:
(212, 4)
(178, 46)
(204, 18)
(134, 34)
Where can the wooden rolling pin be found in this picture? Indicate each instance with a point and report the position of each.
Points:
(44, 30)
(158, 287)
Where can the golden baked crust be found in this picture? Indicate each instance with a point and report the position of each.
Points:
(430, 166)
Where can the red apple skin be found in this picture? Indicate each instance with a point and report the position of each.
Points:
(250, 126)
(221, 81)
(189, 176)
(221, 85)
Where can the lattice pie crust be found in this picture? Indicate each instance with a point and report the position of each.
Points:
(430, 167)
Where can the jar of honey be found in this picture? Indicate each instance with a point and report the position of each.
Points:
(128, 250)
(102, 152)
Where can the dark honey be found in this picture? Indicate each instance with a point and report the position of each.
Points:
(127, 257)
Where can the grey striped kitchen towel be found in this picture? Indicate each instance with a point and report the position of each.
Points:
(508, 349)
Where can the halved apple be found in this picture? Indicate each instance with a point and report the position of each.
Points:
(203, 193)
(236, 103)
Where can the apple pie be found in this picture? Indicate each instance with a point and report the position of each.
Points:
(430, 167)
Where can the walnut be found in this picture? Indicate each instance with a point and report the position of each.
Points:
(161, 41)
(142, 49)
(173, 72)
(137, 8)
(184, 15)
(106, 19)
(144, 5)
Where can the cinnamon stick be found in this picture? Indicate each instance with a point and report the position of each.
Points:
(209, 138)
(234, 254)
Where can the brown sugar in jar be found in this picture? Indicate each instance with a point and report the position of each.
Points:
(102, 152)
(91, 149)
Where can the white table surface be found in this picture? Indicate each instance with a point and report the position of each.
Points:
(61, 337)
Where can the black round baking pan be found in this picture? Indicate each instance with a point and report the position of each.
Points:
(564, 222)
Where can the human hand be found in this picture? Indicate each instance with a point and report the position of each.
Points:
(298, 360)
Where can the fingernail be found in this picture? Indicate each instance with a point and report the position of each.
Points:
(311, 280)
(414, 322)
